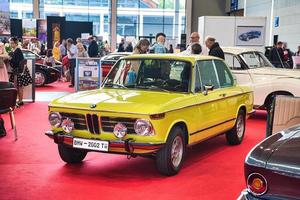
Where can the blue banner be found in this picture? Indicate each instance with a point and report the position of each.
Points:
(234, 4)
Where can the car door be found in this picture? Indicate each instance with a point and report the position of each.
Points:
(229, 91)
(238, 69)
(210, 104)
(261, 76)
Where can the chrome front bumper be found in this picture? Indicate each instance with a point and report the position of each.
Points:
(245, 195)
(128, 145)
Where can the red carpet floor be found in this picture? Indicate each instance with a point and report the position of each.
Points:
(30, 168)
(58, 86)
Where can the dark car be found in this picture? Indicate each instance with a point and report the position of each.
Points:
(249, 35)
(44, 74)
(109, 60)
(272, 168)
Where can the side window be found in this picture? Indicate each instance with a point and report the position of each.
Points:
(224, 75)
(208, 73)
(233, 62)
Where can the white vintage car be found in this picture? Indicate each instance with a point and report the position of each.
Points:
(252, 68)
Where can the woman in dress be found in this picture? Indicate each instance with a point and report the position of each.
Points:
(20, 76)
(3, 67)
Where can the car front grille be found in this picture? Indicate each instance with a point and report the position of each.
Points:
(108, 123)
(93, 123)
(78, 119)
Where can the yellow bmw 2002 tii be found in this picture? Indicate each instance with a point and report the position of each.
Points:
(152, 105)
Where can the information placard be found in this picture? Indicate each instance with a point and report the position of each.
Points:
(88, 74)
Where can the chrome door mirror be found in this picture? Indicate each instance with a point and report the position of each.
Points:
(207, 88)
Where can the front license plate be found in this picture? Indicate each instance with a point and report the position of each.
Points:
(95, 145)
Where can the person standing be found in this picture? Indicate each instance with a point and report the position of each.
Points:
(159, 46)
(106, 47)
(49, 59)
(194, 39)
(93, 47)
(62, 49)
(72, 54)
(3, 68)
(171, 50)
(298, 52)
(196, 49)
(276, 55)
(121, 47)
(81, 51)
(142, 47)
(20, 76)
(129, 47)
(214, 47)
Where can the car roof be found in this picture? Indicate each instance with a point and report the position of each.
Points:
(237, 50)
(190, 58)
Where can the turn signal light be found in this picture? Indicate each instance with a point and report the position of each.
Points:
(257, 184)
(157, 116)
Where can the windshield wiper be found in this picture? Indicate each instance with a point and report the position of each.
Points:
(115, 84)
(152, 87)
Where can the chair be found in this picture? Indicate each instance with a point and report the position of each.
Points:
(8, 96)
(285, 113)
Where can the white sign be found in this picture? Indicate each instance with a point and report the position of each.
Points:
(88, 74)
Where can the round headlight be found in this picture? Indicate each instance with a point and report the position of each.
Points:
(54, 119)
(143, 127)
(67, 125)
(120, 130)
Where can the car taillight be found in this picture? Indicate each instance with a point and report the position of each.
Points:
(257, 184)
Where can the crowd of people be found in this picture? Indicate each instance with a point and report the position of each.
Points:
(281, 56)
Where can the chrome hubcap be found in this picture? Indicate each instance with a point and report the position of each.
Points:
(39, 78)
(177, 151)
(240, 126)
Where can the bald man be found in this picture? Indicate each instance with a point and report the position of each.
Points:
(194, 39)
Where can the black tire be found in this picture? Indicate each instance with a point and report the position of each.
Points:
(40, 78)
(71, 155)
(236, 134)
(164, 162)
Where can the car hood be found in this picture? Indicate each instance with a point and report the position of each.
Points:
(279, 152)
(278, 72)
(286, 158)
(125, 101)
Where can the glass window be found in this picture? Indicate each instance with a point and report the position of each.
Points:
(151, 74)
(255, 60)
(21, 9)
(233, 62)
(208, 73)
(224, 76)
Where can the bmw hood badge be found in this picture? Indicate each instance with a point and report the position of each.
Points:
(93, 106)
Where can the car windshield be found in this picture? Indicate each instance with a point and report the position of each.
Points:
(255, 60)
(150, 74)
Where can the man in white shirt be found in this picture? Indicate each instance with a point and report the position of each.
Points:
(194, 39)
(72, 54)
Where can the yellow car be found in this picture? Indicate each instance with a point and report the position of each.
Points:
(152, 105)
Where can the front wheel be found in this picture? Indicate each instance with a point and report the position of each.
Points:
(169, 159)
(71, 155)
(236, 134)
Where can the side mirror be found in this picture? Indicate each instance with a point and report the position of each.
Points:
(208, 88)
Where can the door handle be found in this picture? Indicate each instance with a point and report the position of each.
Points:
(223, 95)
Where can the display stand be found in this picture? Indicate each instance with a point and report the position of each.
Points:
(29, 91)
(88, 74)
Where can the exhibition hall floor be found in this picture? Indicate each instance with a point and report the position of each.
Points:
(31, 168)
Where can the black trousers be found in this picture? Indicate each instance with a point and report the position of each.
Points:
(72, 69)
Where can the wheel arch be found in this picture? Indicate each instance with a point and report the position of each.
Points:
(279, 92)
(183, 125)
